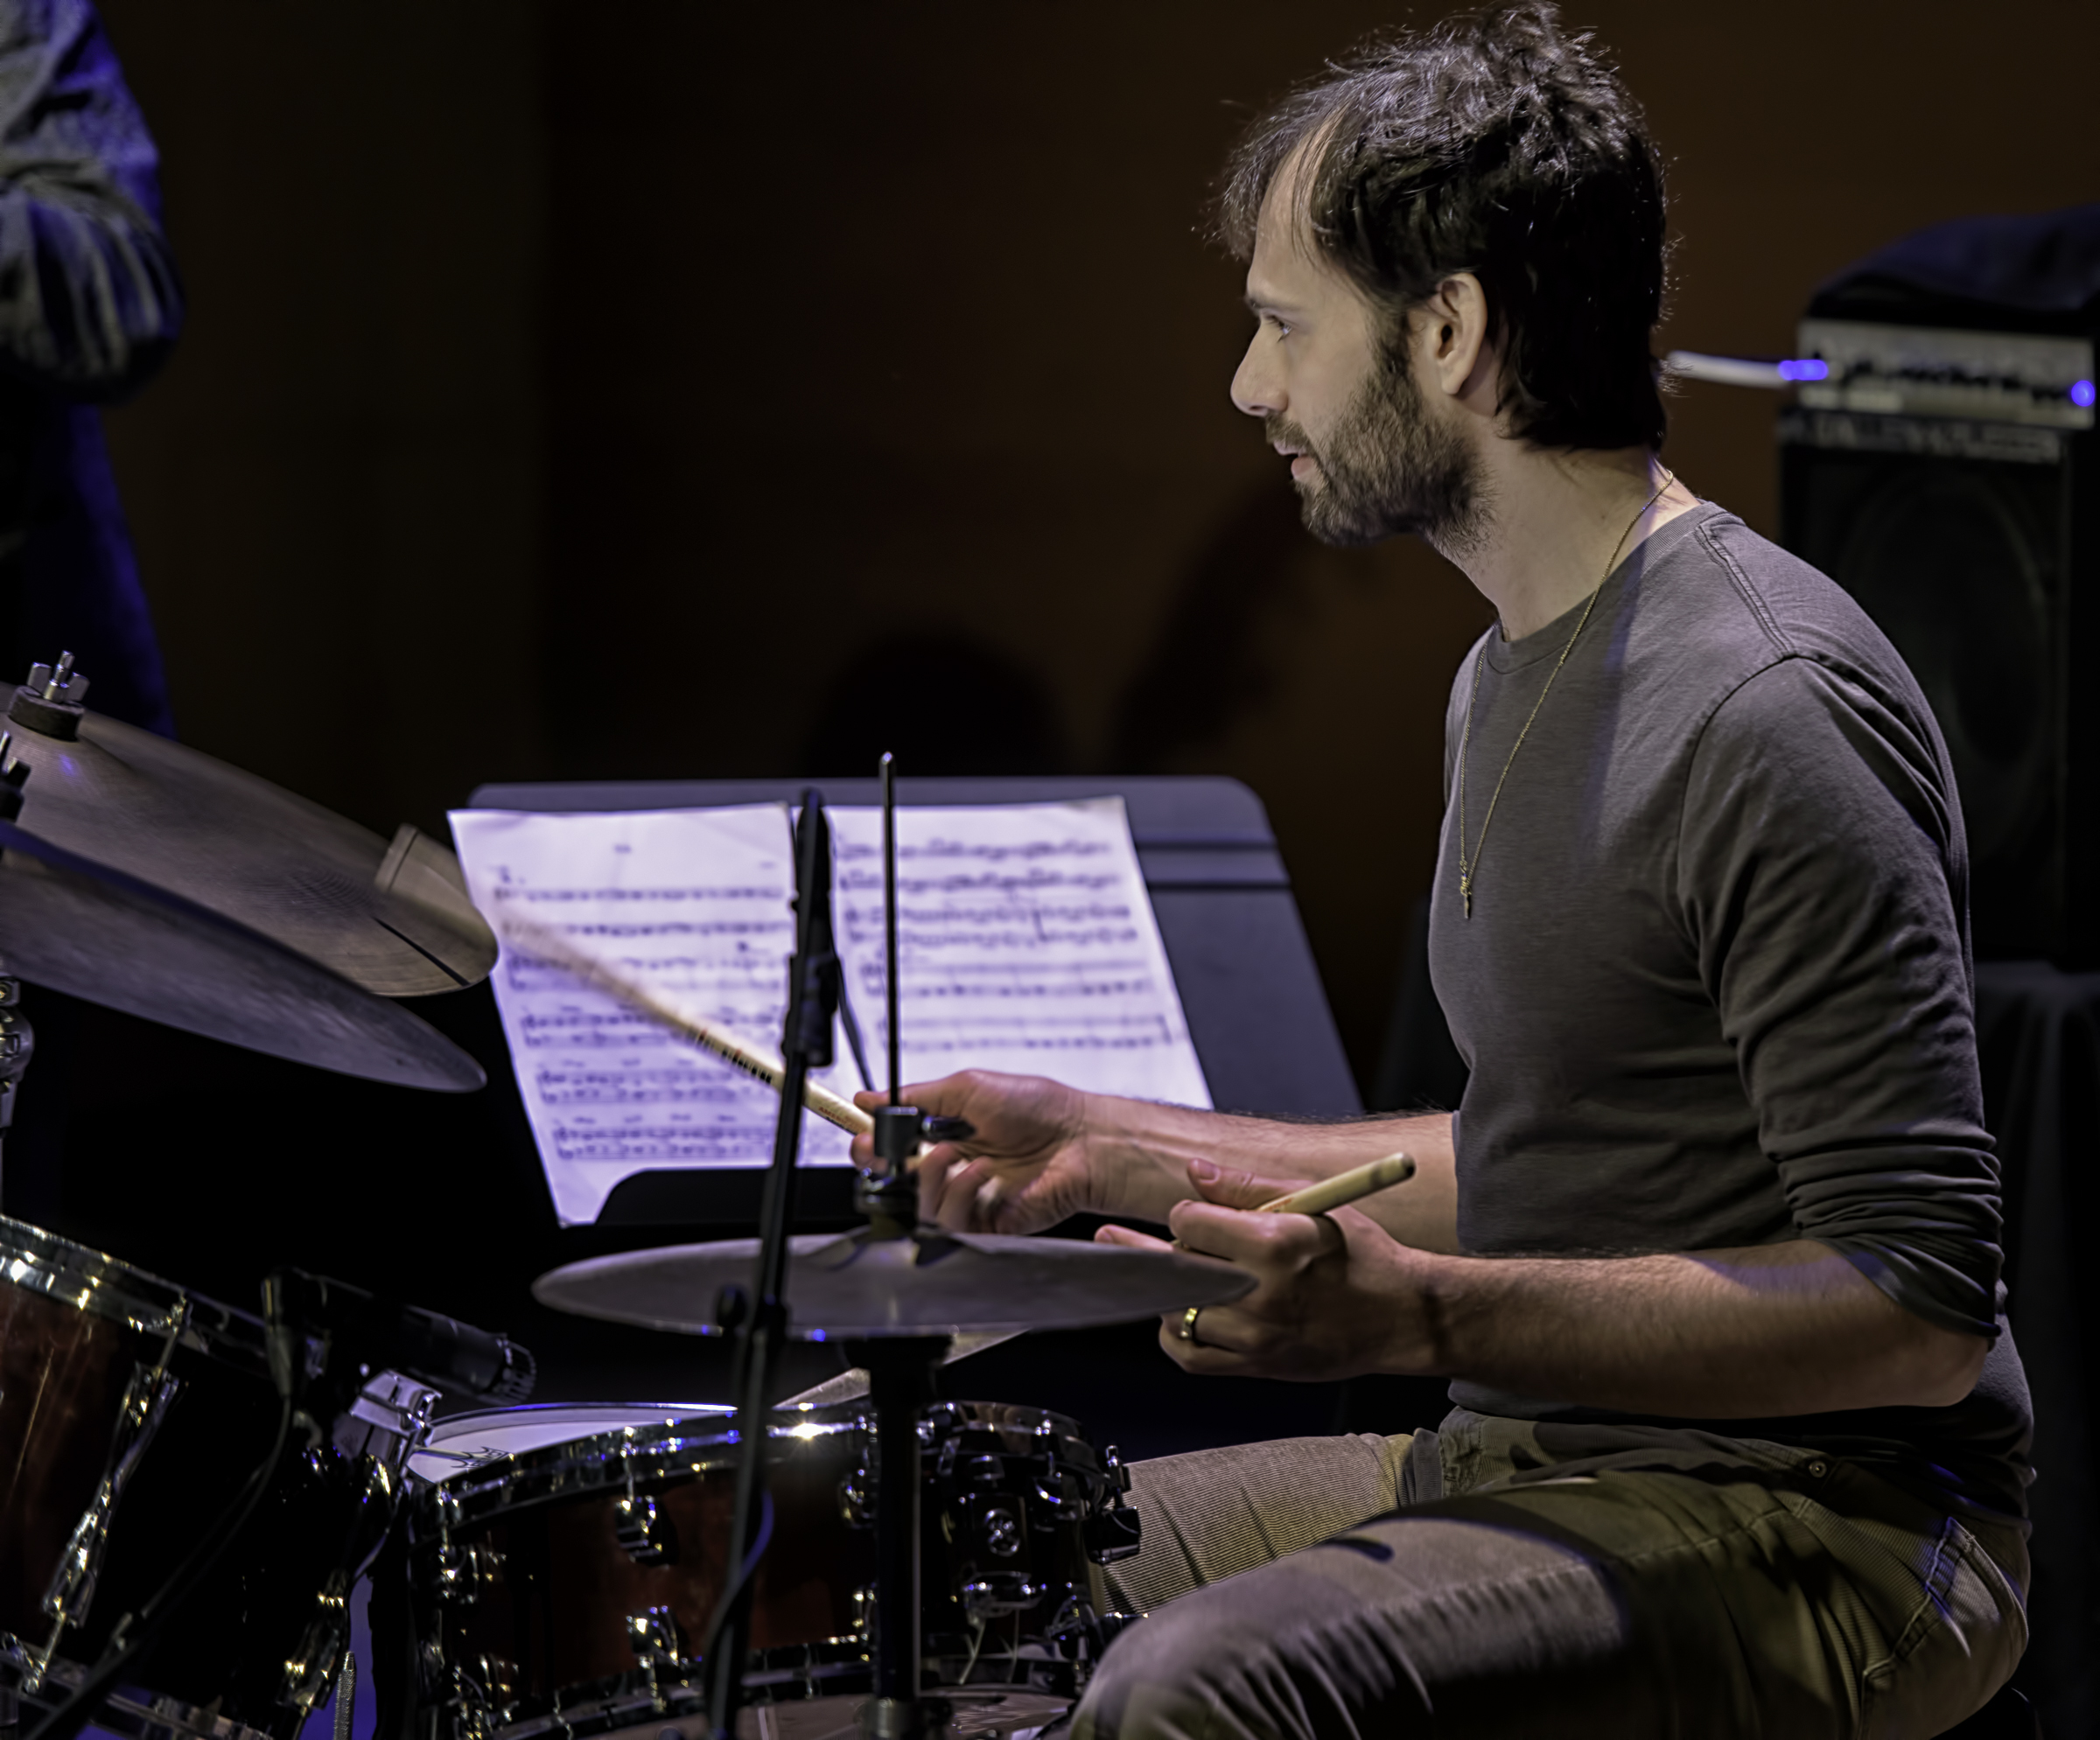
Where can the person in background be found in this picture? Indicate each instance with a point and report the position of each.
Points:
(90, 306)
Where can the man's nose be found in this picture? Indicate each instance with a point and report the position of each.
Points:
(1256, 383)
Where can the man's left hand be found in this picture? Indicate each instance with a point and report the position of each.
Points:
(1337, 1295)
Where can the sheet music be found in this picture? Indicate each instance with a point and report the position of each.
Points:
(1027, 943)
(696, 904)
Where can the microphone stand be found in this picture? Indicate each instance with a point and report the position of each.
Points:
(761, 1321)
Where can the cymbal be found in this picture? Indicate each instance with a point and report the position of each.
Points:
(108, 937)
(393, 918)
(931, 1283)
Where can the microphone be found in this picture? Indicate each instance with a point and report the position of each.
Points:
(426, 1345)
(454, 1355)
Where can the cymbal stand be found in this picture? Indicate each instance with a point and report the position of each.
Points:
(900, 1369)
(900, 1383)
(761, 1320)
(888, 1195)
(18, 1041)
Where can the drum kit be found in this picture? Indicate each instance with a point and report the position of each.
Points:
(189, 1492)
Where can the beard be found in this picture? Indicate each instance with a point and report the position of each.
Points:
(1386, 468)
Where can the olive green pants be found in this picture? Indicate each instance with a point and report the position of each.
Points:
(1467, 1582)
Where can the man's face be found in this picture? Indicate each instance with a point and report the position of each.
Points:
(1368, 454)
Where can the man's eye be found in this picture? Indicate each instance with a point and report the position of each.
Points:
(1282, 329)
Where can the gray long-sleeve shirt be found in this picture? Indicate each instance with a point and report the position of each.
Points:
(1715, 987)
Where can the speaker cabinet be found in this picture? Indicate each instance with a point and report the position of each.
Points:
(1972, 543)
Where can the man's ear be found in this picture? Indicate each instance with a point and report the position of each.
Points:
(1451, 333)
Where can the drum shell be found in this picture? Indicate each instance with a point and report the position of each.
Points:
(75, 1329)
(78, 1330)
(525, 1598)
(530, 1591)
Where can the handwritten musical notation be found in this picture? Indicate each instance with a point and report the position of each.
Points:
(1027, 944)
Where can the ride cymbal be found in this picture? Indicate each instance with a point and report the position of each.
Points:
(393, 918)
(931, 1283)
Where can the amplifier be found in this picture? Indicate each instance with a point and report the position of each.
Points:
(1945, 477)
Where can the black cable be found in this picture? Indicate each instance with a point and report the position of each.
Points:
(79, 1710)
(743, 1576)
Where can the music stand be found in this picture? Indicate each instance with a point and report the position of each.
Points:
(1256, 1009)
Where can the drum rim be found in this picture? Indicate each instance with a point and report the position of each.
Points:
(552, 1472)
(83, 1279)
(639, 1414)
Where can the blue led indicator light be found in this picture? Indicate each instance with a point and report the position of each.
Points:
(1807, 368)
(2082, 394)
(816, 1335)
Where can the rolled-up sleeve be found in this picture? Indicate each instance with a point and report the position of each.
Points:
(1822, 876)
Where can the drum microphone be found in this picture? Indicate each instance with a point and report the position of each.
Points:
(431, 1348)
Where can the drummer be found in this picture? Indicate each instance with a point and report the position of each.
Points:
(1709, 1251)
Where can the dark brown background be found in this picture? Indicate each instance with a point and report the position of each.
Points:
(575, 390)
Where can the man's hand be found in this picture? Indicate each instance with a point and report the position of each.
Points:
(1028, 1166)
(1042, 1151)
(1335, 1295)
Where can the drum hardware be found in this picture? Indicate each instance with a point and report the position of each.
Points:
(553, 1507)
(899, 1292)
(242, 1638)
(642, 1535)
(138, 1417)
(140, 1628)
(1114, 1532)
(461, 1574)
(346, 1700)
(813, 988)
(655, 1636)
(53, 702)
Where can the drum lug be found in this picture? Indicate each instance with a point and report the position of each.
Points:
(459, 1574)
(1000, 1530)
(997, 1594)
(1117, 1531)
(656, 1637)
(488, 1686)
(644, 1531)
(311, 1671)
(853, 1505)
(145, 1405)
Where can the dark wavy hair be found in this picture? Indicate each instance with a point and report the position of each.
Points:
(1496, 143)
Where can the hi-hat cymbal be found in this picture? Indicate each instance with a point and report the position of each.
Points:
(105, 936)
(931, 1283)
(394, 919)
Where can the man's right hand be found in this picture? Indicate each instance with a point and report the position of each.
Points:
(1028, 1166)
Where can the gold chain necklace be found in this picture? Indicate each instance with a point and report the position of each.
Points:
(1468, 866)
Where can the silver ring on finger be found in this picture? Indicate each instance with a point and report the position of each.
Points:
(1185, 1330)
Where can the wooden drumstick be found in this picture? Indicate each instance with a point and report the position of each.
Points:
(1344, 1187)
(551, 945)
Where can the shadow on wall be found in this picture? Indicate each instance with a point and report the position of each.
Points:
(941, 703)
(1209, 668)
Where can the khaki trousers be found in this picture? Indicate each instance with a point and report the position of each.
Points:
(1470, 1582)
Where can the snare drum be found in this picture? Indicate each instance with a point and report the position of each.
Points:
(565, 1587)
(131, 1413)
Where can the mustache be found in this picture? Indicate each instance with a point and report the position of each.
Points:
(1281, 431)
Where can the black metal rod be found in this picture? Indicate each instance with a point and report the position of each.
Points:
(806, 1039)
(889, 921)
(900, 1383)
